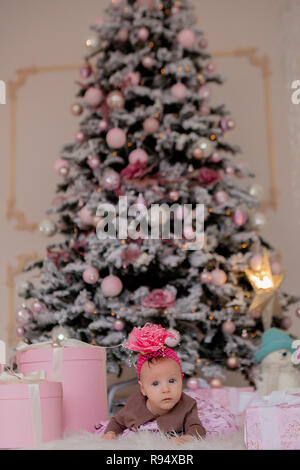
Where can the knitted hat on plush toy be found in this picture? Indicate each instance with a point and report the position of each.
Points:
(273, 339)
(149, 342)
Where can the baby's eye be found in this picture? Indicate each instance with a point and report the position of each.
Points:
(155, 383)
(172, 381)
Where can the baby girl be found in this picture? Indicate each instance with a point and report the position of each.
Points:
(160, 404)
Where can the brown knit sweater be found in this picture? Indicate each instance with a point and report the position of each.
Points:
(183, 418)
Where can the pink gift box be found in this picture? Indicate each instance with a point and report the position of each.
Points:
(82, 371)
(272, 427)
(228, 397)
(30, 413)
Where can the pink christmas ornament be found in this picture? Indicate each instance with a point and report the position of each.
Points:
(37, 306)
(111, 179)
(233, 362)
(218, 277)
(132, 79)
(62, 167)
(150, 4)
(80, 137)
(179, 91)
(229, 170)
(119, 324)
(90, 275)
(239, 217)
(85, 71)
(116, 138)
(256, 262)
(93, 96)
(221, 197)
(215, 157)
(175, 11)
(228, 327)
(116, 3)
(151, 125)
(223, 125)
(111, 286)
(89, 307)
(138, 155)
(276, 267)
(143, 34)
(216, 382)
(286, 323)
(93, 162)
(98, 21)
(186, 38)
(204, 92)
(204, 109)
(148, 62)
(255, 314)
(205, 277)
(85, 216)
(23, 316)
(140, 204)
(231, 124)
(173, 342)
(20, 330)
(181, 212)
(122, 35)
(76, 109)
(203, 43)
(188, 233)
(192, 383)
(210, 68)
(103, 125)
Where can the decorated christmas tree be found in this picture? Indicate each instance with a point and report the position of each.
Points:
(149, 134)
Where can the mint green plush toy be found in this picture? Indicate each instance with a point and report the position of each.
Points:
(277, 371)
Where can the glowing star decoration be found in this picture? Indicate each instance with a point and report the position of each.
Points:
(265, 285)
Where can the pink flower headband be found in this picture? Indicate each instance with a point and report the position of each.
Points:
(149, 342)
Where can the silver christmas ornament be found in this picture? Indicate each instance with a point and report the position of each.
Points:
(59, 334)
(203, 148)
(47, 228)
(115, 100)
(256, 191)
(257, 220)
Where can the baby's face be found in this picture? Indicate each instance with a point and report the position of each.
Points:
(161, 382)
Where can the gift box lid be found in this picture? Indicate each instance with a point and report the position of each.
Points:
(95, 353)
(20, 391)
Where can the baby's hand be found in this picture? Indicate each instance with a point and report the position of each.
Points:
(109, 435)
(182, 439)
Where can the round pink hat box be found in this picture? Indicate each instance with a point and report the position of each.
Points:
(20, 424)
(82, 371)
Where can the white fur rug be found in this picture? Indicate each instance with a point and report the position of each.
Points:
(140, 441)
